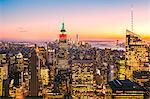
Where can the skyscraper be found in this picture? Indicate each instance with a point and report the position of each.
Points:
(63, 49)
(34, 76)
(1, 81)
(83, 79)
(136, 57)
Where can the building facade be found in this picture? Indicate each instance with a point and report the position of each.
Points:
(83, 83)
(136, 58)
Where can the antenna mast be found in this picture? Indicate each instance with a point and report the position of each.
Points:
(132, 18)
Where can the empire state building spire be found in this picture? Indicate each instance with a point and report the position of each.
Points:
(63, 27)
(63, 35)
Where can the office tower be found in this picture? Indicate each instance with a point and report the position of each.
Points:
(1, 81)
(77, 39)
(20, 67)
(62, 56)
(4, 64)
(26, 76)
(137, 67)
(3, 70)
(34, 76)
(50, 55)
(44, 76)
(121, 70)
(83, 79)
(41, 60)
(108, 66)
(117, 44)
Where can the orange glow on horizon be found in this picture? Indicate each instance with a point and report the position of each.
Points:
(82, 36)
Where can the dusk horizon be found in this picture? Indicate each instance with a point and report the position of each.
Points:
(30, 20)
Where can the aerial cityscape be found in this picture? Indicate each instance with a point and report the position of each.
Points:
(75, 49)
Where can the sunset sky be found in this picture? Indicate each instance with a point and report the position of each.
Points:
(90, 19)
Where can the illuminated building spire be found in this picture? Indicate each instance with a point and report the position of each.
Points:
(63, 27)
(63, 36)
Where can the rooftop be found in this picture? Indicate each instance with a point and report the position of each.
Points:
(125, 85)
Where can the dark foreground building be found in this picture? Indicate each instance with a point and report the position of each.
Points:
(34, 76)
(126, 89)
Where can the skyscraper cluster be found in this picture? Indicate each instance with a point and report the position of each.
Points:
(63, 69)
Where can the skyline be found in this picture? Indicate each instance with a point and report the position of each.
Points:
(91, 20)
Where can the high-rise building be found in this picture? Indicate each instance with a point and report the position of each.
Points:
(3, 70)
(136, 58)
(44, 76)
(121, 70)
(4, 64)
(20, 67)
(1, 81)
(83, 79)
(34, 76)
(62, 56)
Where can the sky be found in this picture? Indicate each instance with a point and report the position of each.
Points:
(90, 19)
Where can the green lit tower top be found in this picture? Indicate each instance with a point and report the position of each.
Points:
(63, 27)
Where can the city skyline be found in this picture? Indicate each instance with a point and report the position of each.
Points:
(91, 20)
(75, 49)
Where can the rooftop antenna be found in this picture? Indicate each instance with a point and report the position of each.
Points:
(132, 17)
